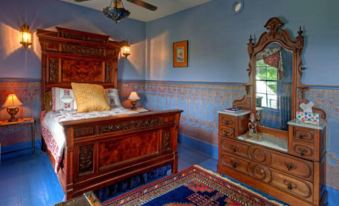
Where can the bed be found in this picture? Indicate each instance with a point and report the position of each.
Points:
(99, 150)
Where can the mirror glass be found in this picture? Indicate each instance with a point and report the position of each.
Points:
(274, 86)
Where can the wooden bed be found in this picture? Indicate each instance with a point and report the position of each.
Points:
(102, 151)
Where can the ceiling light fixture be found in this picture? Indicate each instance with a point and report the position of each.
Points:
(116, 11)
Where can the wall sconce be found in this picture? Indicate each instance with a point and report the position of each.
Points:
(12, 104)
(126, 50)
(26, 36)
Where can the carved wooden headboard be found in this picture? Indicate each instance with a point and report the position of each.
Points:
(76, 56)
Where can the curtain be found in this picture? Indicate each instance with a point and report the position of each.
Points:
(272, 57)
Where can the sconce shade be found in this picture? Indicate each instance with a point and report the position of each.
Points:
(126, 50)
(12, 101)
(134, 96)
(26, 36)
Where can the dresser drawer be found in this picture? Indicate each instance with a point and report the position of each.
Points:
(299, 188)
(303, 150)
(226, 132)
(235, 163)
(235, 148)
(227, 121)
(293, 166)
(304, 135)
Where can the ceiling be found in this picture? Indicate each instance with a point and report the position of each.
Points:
(165, 7)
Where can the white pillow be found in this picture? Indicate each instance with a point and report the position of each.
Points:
(63, 100)
(113, 98)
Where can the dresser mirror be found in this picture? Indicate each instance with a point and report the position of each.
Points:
(275, 71)
(273, 84)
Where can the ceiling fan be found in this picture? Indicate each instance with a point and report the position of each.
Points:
(116, 10)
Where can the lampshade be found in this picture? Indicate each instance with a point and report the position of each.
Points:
(134, 96)
(12, 101)
(26, 36)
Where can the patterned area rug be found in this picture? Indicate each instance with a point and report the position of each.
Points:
(190, 187)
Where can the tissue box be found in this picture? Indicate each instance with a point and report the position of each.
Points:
(308, 117)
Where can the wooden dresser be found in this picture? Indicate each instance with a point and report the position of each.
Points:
(261, 144)
(293, 171)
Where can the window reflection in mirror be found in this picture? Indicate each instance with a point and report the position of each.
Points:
(273, 86)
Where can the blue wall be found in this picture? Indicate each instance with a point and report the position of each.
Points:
(218, 39)
(17, 62)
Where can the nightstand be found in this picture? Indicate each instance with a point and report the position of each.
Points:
(22, 121)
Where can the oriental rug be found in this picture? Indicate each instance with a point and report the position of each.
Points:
(190, 187)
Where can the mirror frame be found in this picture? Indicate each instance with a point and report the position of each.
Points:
(277, 34)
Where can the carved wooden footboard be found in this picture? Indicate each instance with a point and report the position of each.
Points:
(102, 151)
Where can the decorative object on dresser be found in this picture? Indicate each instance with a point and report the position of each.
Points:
(180, 54)
(284, 157)
(12, 104)
(19, 122)
(99, 151)
(133, 98)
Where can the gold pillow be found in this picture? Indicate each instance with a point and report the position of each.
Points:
(90, 97)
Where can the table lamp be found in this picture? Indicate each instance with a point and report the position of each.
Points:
(134, 98)
(12, 102)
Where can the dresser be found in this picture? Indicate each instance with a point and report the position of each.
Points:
(260, 142)
(291, 170)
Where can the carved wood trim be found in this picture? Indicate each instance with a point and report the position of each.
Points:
(76, 56)
(86, 164)
(130, 125)
(275, 32)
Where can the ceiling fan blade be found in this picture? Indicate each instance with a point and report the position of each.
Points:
(143, 4)
(81, 0)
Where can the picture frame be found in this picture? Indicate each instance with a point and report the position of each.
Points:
(180, 54)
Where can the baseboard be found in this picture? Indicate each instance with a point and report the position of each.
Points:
(332, 196)
(19, 149)
(204, 147)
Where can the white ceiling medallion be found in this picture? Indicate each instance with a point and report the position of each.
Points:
(238, 6)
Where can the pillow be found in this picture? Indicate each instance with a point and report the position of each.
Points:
(63, 100)
(90, 97)
(113, 98)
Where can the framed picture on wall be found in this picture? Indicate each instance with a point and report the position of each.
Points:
(180, 54)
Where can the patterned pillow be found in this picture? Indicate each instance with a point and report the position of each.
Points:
(63, 99)
(90, 97)
(113, 98)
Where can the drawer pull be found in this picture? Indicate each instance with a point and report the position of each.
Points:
(227, 122)
(234, 164)
(226, 134)
(302, 152)
(302, 136)
(234, 149)
(289, 186)
(289, 166)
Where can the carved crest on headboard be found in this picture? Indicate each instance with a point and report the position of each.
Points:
(76, 56)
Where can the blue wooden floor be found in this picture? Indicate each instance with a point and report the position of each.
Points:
(30, 180)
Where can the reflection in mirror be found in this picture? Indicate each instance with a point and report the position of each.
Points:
(274, 86)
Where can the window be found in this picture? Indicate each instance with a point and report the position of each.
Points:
(266, 85)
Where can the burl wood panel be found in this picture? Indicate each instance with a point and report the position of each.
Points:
(83, 70)
(130, 148)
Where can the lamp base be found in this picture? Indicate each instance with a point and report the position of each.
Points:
(12, 111)
(134, 104)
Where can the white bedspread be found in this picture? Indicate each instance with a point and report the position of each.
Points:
(52, 122)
